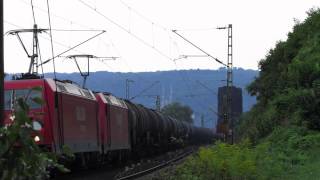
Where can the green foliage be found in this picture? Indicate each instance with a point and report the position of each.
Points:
(178, 111)
(285, 154)
(222, 161)
(20, 156)
(288, 86)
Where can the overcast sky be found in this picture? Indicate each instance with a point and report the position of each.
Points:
(139, 31)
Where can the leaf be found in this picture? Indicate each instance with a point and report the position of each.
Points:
(62, 168)
(22, 105)
(20, 156)
(38, 100)
(67, 151)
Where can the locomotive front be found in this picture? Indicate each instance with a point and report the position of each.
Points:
(28, 90)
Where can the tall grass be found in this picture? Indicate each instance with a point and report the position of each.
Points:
(288, 153)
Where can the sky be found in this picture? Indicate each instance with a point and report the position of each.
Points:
(139, 32)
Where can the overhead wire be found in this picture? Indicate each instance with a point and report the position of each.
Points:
(174, 43)
(216, 59)
(60, 17)
(71, 22)
(55, 15)
(152, 24)
(118, 54)
(123, 58)
(42, 72)
(55, 77)
(158, 25)
(130, 20)
(48, 39)
(126, 30)
(66, 20)
(145, 89)
(12, 24)
(142, 16)
(52, 51)
(34, 19)
(78, 30)
(206, 87)
(153, 36)
(169, 31)
(197, 29)
(73, 47)
(186, 79)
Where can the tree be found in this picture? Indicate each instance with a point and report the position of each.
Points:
(178, 111)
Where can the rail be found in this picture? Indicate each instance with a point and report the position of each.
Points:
(154, 168)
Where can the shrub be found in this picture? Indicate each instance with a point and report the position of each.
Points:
(222, 161)
(20, 156)
(282, 155)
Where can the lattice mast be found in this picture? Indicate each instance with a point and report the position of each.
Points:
(158, 103)
(230, 85)
(128, 81)
(33, 67)
(34, 62)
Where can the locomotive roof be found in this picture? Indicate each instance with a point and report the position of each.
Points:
(59, 86)
(75, 89)
(114, 100)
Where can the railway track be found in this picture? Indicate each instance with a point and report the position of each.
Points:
(130, 171)
(152, 167)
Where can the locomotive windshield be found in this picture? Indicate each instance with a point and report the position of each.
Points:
(28, 94)
(7, 99)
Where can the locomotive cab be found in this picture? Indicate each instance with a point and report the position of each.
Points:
(67, 118)
(26, 89)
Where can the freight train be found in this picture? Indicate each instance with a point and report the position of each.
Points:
(96, 126)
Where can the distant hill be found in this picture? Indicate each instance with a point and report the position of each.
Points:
(173, 86)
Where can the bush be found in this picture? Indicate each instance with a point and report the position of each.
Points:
(222, 161)
(20, 156)
(283, 155)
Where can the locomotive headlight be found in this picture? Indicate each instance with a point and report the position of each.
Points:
(36, 125)
(12, 117)
(36, 139)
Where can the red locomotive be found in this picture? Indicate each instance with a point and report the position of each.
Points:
(97, 126)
